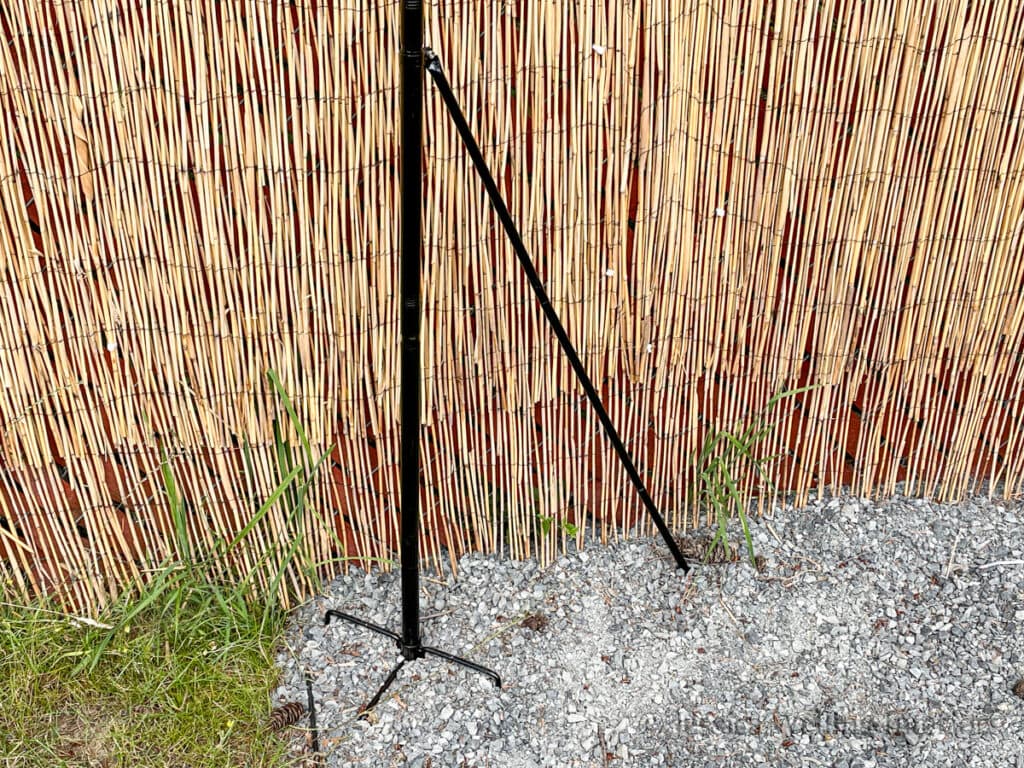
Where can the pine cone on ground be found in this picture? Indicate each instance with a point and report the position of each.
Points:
(285, 715)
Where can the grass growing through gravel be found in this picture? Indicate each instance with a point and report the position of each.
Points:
(176, 674)
(723, 457)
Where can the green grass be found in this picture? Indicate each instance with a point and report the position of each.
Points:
(180, 684)
(179, 671)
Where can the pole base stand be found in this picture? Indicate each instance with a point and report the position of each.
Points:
(409, 653)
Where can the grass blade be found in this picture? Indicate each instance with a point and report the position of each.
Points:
(292, 415)
(267, 505)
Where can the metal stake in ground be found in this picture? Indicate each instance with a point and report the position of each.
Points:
(411, 183)
(436, 72)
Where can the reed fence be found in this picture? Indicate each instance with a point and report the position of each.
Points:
(726, 200)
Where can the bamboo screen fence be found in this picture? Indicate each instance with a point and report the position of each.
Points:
(726, 200)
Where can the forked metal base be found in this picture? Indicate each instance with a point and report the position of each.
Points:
(410, 652)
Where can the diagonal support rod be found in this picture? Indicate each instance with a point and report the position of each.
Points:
(433, 65)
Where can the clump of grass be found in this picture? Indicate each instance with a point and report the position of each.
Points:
(178, 684)
(211, 582)
(177, 672)
(724, 455)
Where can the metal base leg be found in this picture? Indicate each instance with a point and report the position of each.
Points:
(368, 706)
(409, 654)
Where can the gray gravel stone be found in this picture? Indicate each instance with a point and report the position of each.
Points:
(861, 644)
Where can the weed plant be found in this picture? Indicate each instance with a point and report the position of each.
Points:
(723, 457)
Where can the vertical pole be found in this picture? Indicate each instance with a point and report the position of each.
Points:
(410, 184)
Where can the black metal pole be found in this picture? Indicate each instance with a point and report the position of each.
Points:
(434, 68)
(411, 186)
(410, 245)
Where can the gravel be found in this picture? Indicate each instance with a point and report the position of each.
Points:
(878, 634)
